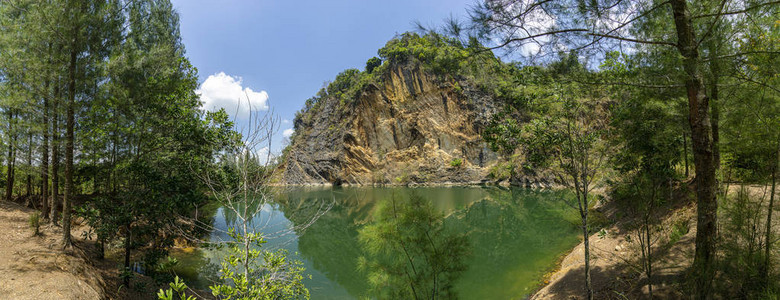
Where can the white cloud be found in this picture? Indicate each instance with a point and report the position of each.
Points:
(262, 153)
(224, 91)
(288, 132)
(285, 121)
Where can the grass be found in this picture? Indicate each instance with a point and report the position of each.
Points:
(35, 222)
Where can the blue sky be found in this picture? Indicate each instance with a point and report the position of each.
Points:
(281, 52)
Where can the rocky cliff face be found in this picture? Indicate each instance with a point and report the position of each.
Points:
(413, 127)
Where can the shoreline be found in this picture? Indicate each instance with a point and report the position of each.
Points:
(483, 183)
(614, 260)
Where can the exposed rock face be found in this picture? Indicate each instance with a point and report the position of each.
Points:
(411, 129)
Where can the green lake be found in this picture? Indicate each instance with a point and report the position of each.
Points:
(513, 236)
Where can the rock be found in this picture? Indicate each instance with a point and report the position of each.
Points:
(411, 129)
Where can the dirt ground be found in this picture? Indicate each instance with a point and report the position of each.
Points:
(615, 256)
(36, 267)
(616, 271)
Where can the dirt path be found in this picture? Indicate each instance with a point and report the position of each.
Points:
(616, 271)
(36, 267)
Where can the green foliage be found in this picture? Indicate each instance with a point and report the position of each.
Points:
(442, 54)
(650, 135)
(250, 273)
(409, 252)
(742, 245)
(529, 92)
(456, 162)
(177, 291)
(503, 134)
(35, 222)
(372, 64)
(502, 171)
(680, 228)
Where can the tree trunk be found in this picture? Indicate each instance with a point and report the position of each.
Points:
(764, 274)
(128, 239)
(9, 182)
(29, 190)
(713, 46)
(66, 202)
(685, 153)
(701, 138)
(586, 242)
(55, 155)
(649, 258)
(45, 154)
(715, 109)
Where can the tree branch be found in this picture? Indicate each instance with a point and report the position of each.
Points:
(747, 9)
(615, 37)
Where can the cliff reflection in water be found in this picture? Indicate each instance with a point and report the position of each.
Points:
(498, 242)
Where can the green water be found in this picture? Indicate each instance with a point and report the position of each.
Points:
(514, 236)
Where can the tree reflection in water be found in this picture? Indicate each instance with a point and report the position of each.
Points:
(408, 252)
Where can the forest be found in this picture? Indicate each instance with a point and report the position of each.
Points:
(640, 104)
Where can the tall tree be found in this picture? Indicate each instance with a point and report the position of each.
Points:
(612, 24)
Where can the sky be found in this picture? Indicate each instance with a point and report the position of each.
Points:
(281, 52)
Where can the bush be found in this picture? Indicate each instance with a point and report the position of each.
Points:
(742, 242)
(35, 222)
(456, 162)
(679, 229)
(373, 63)
(177, 290)
(501, 171)
(442, 54)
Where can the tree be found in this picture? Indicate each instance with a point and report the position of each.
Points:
(116, 74)
(568, 142)
(532, 26)
(648, 139)
(372, 64)
(241, 186)
(752, 129)
(146, 121)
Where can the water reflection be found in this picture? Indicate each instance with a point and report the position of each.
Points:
(513, 237)
(408, 252)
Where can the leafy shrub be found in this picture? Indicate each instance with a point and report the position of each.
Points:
(372, 64)
(456, 162)
(256, 273)
(164, 270)
(178, 287)
(35, 222)
(501, 171)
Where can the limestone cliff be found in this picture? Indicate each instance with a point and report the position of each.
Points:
(411, 126)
